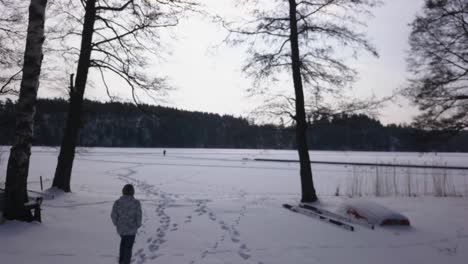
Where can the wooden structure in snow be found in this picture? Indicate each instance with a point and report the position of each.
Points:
(34, 205)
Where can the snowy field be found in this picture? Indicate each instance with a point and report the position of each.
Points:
(220, 206)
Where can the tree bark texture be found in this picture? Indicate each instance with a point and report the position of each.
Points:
(307, 184)
(18, 162)
(71, 132)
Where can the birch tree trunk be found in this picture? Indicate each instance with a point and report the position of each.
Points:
(18, 163)
(70, 136)
(307, 184)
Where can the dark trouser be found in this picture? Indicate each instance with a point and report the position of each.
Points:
(126, 245)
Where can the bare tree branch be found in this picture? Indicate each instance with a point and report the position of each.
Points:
(4, 88)
(439, 63)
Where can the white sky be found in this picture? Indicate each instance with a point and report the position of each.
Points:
(209, 78)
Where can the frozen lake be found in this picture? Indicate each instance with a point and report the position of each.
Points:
(220, 206)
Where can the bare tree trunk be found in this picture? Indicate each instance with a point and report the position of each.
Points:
(18, 163)
(70, 137)
(307, 184)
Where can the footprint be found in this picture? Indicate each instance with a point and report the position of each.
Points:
(153, 247)
(188, 219)
(243, 252)
(243, 255)
(139, 251)
(223, 225)
(212, 217)
(142, 257)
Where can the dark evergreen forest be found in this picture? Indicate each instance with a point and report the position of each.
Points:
(125, 125)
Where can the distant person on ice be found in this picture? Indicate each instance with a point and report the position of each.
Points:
(164, 152)
(126, 216)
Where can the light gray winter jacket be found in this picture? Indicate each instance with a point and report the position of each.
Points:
(126, 215)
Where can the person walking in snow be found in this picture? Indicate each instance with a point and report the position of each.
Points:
(126, 216)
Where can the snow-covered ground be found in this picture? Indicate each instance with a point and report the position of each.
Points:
(220, 206)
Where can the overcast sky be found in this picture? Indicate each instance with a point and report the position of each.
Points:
(209, 78)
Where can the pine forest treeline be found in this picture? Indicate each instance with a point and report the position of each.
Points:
(125, 125)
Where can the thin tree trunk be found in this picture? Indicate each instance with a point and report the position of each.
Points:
(70, 137)
(307, 184)
(18, 162)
